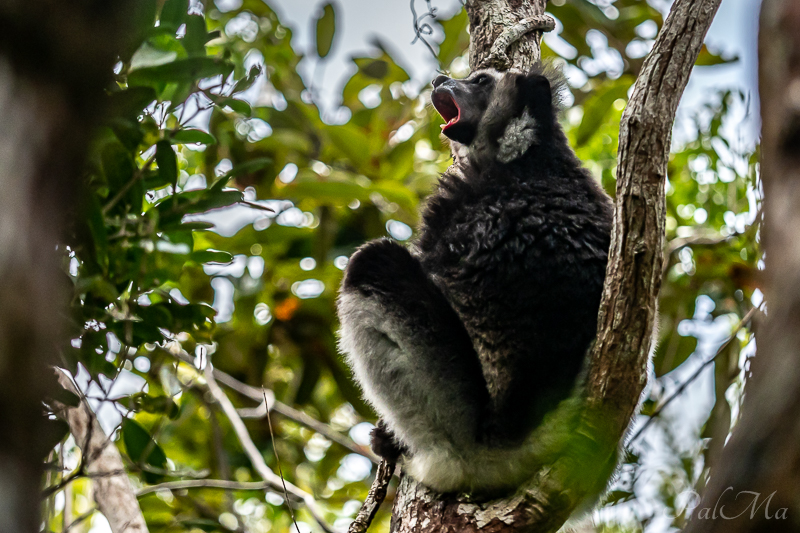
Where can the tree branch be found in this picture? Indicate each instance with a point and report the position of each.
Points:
(224, 484)
(377, 493)
(618, 360)
(101, 461)
(281, 408)
(255, 455)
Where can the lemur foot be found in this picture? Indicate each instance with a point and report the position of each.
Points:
(384, 443)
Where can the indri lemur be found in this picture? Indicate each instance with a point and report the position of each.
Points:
(464, 343)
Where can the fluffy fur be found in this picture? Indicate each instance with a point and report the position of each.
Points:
(469, 348)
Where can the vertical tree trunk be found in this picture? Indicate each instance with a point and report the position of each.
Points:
(618, 360)
(488, 19)
(756, 483)
(55, 58)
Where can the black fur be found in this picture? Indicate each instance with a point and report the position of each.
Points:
(508, 267)
(384, 443)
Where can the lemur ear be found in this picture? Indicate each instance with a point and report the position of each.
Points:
(521, 131)
(535, 91)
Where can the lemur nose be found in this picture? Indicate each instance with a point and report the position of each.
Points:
(439, 80)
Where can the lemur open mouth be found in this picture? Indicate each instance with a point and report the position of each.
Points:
(446, 105)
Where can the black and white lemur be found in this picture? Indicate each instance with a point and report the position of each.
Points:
(466, 342)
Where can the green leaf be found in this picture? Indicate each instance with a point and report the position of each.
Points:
(66, 397)
(597, 106)
(187, 226)
(708, 57)
(248, 167)
(192, 136)
(172, 208)
(137, 441)
(238, 106)
(131, 102)
(618, 496)
(181, 70)
(167, 162)
(352, 142)
(326, 29)
(377, 69)
(247, 82)
(672, 351)
(203, 524)
(196, 36)
(173, 14)
(141, 401)
(211, 256)
(97, 227)
(48, 436)
(127, 131)
(118, 165)
(648, 407)
(456, 38)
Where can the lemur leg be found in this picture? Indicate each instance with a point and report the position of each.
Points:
(409, 350)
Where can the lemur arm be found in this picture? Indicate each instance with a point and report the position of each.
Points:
(409, 350)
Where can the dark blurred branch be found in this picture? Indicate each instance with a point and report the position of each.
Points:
(56, 58)
(291, 413)
(763, 452)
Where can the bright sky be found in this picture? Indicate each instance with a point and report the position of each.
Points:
(361, 21)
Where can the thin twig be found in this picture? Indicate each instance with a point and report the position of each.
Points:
(742, 323)
(423, 28)
(125, 188)
(78, 520)
(207, 484)
(377, 493)
(278, 462)
(254, 454)
(280, 408)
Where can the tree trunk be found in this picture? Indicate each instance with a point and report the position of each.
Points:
(55, 58)
(756, 483)
(618, 360)
(488, 19)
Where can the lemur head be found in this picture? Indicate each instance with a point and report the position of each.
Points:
(498, 113)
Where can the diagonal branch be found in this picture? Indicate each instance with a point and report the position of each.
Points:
(254, 454)
(281, 408)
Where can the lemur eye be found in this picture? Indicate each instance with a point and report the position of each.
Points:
(482, 79)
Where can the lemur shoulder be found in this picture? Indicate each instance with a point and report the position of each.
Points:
(465, 343)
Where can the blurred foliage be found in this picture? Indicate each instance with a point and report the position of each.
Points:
(219, 209)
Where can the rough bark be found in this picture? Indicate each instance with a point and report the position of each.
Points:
(489, 19)
(102, 462)
(618, 360)
(762, 458)
(55, 58)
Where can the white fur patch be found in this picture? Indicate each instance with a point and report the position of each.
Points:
(520, 134)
